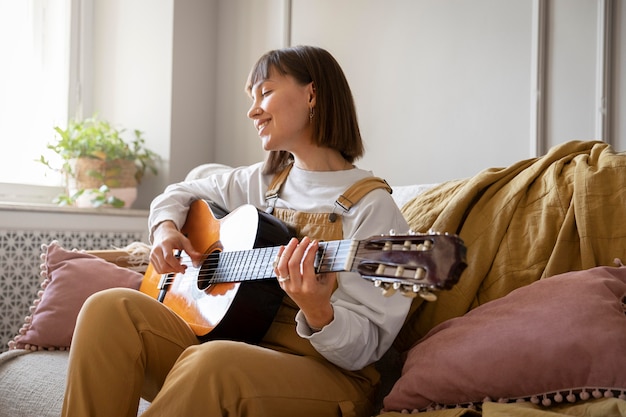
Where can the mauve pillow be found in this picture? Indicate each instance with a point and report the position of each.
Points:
(69, 278)
(560, 339)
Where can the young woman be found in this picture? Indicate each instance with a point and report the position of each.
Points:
(316, 358)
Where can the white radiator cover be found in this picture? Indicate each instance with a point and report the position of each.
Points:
(24, 229)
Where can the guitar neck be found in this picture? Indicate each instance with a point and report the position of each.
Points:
(256, 264)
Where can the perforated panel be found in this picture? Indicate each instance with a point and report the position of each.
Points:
(20, 260)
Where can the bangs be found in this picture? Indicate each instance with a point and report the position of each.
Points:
(261, 70)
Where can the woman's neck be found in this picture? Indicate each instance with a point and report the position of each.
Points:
(323, 161)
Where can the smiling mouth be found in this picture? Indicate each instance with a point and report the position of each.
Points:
(262, 125)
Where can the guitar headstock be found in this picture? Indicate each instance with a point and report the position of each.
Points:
(415, 264)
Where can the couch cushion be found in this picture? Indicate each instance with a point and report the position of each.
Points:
(33, 383)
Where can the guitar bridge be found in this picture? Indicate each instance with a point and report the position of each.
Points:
(163, 285)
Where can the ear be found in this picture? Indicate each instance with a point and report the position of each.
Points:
(312, 94)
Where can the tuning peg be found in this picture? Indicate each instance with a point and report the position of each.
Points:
(399, 271)
(427, 295)
(406, 291)
(388, 291)
(420, 273)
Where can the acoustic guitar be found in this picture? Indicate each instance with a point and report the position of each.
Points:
(234, 294)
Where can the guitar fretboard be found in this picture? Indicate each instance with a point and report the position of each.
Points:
(255, 264)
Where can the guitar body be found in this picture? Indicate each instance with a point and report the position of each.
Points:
(233, 310)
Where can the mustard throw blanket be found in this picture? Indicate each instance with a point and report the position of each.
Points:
(535, 219)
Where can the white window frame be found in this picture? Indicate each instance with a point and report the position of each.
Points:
(79, 92)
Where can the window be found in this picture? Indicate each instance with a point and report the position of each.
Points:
(35, 35)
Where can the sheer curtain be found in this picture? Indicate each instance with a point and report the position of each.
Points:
(34, 85)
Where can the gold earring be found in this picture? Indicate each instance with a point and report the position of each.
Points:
(311, 114)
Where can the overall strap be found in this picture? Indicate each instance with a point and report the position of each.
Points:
(359, 189)
(271, 195)
(277, 182)
(355, 192)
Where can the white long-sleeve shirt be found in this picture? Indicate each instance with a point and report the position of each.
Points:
(365, 322)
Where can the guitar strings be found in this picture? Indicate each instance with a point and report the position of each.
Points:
(236, 267)
(238, 270)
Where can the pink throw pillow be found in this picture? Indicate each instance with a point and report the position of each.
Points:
(560, 339)
(69, 278)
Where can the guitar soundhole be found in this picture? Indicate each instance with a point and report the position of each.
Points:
(208, 271)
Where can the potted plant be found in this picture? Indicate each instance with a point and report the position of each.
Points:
(100, 167)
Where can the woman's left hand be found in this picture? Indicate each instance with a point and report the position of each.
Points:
(310, 291)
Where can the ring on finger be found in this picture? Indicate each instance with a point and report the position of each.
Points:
(283, 279)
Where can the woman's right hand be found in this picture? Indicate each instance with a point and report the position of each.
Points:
(167, 240)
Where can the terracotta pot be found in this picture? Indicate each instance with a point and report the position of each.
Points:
(91, 174)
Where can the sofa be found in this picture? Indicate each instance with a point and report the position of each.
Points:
(536, 323)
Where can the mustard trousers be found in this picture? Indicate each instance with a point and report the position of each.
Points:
(127, 345)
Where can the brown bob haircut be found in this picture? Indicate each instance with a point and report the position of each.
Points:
(335, 122)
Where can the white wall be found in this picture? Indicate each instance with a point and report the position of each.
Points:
(618, 127)
(132, 73)
(247, 29)
(193, 85)
(154, 69)
(571, 72)
(434, 81)
(444, 88)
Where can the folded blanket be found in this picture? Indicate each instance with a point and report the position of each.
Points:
(537, 218)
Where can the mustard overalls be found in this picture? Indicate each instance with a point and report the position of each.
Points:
(283, 376)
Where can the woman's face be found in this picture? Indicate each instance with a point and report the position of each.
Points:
(280, 112)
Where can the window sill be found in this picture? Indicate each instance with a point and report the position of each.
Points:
(20, 217)
(38, 198)
(51, 208)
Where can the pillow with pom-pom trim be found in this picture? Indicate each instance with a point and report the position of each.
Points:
(558, 340)
(69, 277)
